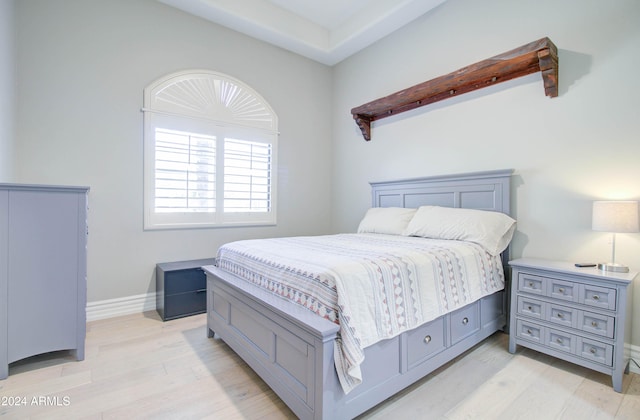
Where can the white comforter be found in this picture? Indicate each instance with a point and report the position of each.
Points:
(375, 286)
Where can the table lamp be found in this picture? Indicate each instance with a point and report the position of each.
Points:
(615, 217)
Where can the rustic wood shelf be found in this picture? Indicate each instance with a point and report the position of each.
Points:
(540, 55)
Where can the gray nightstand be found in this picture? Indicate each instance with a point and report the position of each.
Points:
(582, 315)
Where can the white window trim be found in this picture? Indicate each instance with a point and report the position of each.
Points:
(205, 101)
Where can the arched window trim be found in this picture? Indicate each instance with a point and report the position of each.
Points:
(224, 108)
(208, 94)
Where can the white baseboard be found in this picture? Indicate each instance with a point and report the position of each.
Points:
(121, 306)
(635, 355)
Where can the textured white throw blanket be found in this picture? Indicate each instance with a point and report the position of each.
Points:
(375, 286)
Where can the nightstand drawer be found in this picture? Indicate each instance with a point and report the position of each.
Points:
(532, 284)
(181, 281)
(562, 315)
(595, 351)
(560, 340)
(592, 350)
(596, 323)
(531, 307)
(599, 297)
(590, 322)
(530, 331)
(547, 286)
(185, 304)
(563, 290)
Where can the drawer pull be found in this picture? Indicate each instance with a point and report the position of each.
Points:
(593, 350)
(594, 324)
(561, 290)
(465, 320)
(559, 340)
(596, 297)
(427, 339)
(531, 284)
(529, 331)
(560, 315)
(530, 308)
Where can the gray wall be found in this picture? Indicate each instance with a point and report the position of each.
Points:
(7, 92)
(566, 151)
(83, 65)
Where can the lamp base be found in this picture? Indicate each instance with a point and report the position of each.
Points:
(614, 267)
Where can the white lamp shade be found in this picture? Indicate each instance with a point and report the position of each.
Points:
(615, 216)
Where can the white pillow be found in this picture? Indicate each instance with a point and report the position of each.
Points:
(490, 229)
(389, 220)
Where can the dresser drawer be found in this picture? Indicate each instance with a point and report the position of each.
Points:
(425, 341)
(595, 351)
(598, 297)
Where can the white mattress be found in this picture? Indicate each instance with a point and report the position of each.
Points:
(375, 286)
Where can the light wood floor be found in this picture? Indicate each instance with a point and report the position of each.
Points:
(139, 367)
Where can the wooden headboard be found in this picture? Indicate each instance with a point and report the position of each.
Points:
(489, 190)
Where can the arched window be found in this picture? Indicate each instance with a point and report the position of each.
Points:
(210, 147)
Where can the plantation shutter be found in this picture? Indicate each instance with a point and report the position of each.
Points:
(247, 176)
(185, 172)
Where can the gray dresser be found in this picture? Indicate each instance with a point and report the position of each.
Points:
(43, 270)
(582, 315)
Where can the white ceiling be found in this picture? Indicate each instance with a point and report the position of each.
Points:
(327, 31)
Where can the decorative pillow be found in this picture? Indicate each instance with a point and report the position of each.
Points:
(389, 220)
(490, 229)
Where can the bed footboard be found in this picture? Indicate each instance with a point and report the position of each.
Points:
(291, 349)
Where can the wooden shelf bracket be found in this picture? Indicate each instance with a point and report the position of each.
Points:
(540, 55)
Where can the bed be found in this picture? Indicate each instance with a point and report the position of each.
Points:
(294, 349)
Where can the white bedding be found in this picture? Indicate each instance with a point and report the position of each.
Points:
(375, 286)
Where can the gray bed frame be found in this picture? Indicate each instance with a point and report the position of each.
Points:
(291, 348)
